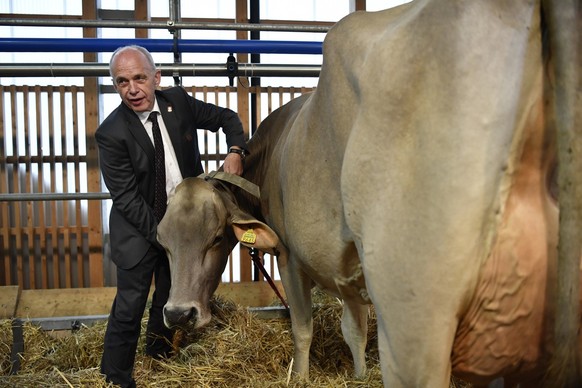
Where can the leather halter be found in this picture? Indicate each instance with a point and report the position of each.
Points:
(236, 180)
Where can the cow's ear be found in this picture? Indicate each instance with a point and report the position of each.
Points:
(253, 233)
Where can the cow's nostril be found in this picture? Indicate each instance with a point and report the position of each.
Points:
(178, 316)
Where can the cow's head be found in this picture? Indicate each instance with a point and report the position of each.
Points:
(201, 226)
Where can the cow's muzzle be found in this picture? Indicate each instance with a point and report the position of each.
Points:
(176, 316)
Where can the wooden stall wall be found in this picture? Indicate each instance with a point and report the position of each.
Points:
(48, 151)
(44, 242)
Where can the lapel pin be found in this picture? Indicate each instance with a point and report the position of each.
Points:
(170, 108)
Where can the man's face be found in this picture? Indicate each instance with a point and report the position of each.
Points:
(134, 80)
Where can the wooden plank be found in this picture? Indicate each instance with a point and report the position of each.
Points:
(29, 231)
(17, 206)
(65, 227)
(246, 265)
(4, 208)
(54, 249)
(141, 13)
(252, 294)
(78, 230)
(269, 100)
(91, 94)
(242, 83)
(9, 296)
(42, 233)
(360, 5)
(67, 302)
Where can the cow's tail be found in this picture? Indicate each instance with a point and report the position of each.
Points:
(564, 21)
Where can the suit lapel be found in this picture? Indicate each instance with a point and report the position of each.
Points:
(138, 131)
(169, 115)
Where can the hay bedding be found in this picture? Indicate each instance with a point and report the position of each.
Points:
(236, 349)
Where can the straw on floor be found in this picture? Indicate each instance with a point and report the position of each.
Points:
(237, 349)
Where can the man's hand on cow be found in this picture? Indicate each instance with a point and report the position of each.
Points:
(233, 164)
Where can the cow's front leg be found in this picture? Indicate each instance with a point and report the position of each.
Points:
(355, 332)
(298, 290)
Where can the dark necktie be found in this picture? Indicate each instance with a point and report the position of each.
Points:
(160, 196)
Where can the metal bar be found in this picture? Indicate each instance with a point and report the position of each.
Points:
(66, 323)
(75, 322)
(159, 45)
(21, 197)
(163, 25)
(270, 312)
(176, 36)
(202, 70)
(17, 346)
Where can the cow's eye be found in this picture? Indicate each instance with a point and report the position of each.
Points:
(217, 240)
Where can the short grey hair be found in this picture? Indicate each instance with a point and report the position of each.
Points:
(141, 49)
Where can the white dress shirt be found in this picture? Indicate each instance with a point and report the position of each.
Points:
(173, 174)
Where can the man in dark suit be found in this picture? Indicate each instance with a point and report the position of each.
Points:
(127, 157)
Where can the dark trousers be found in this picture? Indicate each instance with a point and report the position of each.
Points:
(124, 325)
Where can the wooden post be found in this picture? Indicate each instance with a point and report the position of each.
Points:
(95, 228)
(246, 267)
(242, 82)
(141, 13)
(357, 5)
(5, 278)
(565, 42)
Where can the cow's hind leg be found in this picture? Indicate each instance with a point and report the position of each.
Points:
(298, 291)
(355, 332)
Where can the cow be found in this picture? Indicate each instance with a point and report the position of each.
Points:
(222, 214)
(421, 176)
(200, 228)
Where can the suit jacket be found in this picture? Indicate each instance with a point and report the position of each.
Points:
(126, 158)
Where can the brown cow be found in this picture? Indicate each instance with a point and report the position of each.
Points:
(423, 162)
(199, 230)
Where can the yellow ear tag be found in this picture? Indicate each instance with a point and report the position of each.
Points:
(249, 237)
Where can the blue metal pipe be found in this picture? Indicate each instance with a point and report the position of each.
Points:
(93, 45)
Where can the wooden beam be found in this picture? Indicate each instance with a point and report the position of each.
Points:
(242, 82)
(360, 5)
(65, 302)
(251, 294)
(68, 302)
(243, 110)
(141, 14)
(91, 88)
